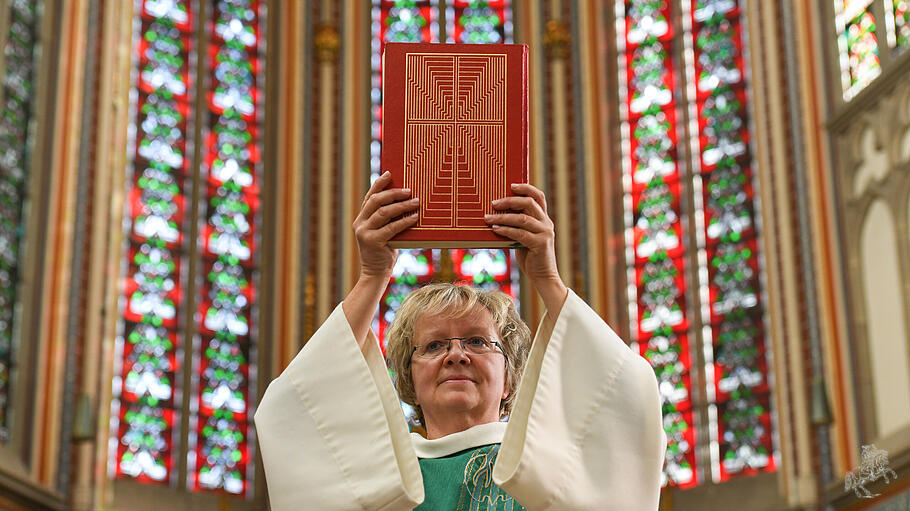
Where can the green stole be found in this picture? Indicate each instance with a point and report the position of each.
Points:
(463, 481)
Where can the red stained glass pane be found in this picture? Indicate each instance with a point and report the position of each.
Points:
(220, 455)
(146, 391)
(655, 223)
(745, 429)
(740, 368)
(681, 437)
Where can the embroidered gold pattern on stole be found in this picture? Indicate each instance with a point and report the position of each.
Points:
(479, 493)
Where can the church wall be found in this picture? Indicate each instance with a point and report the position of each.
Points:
(335, 153)
(874, 192)
(111, 111)
(872, 188)
(34, 461)
(832, 318)
(588, 18)
(282, 216)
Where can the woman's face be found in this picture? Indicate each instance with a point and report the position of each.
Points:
(458, 388)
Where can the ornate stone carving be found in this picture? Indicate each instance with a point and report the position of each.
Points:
(557, 39)
(326, 43)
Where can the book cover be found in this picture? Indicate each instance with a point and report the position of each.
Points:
(454, 131)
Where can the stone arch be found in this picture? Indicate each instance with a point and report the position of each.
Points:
(885, 328)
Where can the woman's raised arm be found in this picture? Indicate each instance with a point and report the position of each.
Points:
(330, 427)
(523, 218)
(376, 224)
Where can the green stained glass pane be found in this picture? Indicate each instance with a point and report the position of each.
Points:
(220, 461)
(405, 21)
(858, 45)
(654, 222)
(145, 405)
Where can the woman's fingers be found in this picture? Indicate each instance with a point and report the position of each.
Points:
(376, 223)
(381, 182)
(533, 192)
(381, 199)
(532, 240)
(388, 212)
(517, 220)
(380, 218)
(377, 196)
(527, 239)
(392, 228)
(523, 217)
(526, 205)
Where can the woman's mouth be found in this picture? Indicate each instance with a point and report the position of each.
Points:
(456, 379)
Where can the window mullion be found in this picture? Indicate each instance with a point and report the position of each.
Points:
(690, 189)
(196, 211)
(886, 52)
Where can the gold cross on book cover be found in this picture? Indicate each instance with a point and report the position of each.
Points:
(454, 131)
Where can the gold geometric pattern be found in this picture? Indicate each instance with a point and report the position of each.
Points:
(454, 132)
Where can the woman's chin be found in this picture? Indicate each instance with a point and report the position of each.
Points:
(457, 399)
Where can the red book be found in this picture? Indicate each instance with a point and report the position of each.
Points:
(454, 131)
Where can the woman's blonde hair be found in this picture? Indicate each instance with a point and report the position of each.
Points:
(451, 301)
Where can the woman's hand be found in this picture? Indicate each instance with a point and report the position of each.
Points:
(376, 225)
(524, 219)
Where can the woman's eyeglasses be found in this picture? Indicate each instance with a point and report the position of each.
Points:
(474, 345)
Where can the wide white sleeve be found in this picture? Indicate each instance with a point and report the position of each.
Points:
(586, 428)
(331, 431)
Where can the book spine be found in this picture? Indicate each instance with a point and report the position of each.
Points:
(525, 107)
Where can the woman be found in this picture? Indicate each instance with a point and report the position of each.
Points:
(584, 429)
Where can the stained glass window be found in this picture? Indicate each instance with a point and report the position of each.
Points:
(146, 409)
(18, 90)
(418, 21)
(735, 350)
(654, 232)
(658, 92)
(857, 45)
(478, 22)
(898, 20)
(484, 268)
(220, 429)
(151, 353)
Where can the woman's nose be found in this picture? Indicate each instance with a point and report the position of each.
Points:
(456, 353)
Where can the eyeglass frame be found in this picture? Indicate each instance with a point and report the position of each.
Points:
(462, 339)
